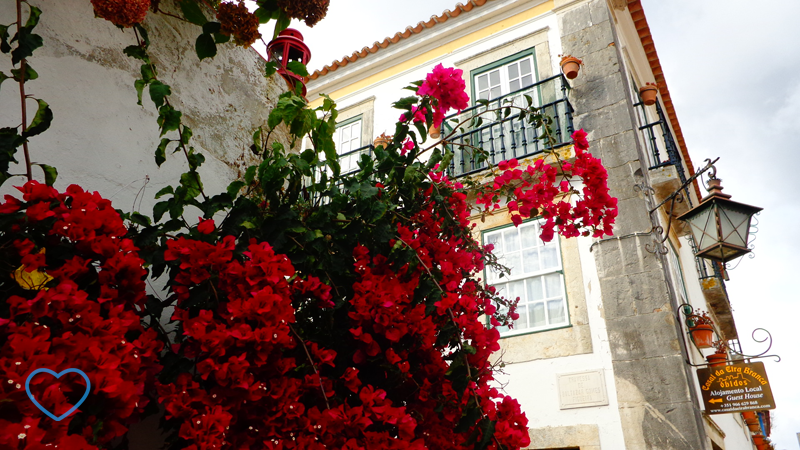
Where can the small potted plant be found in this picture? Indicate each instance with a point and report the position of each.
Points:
(720, 355)
(701, 328)
(570, 65)
(382, 140)
(648, 93)
(751, 420)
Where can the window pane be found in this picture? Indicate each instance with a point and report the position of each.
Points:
(516, 289)
(530, 260)
(522, 322)
(527, 80)
(483, 95)
(536, 312)
(483, 82)
(525, 66)
(549, 256)
(534, 289)
(512, 262)
(555, 309)
(512, 239)
(346, 133)
(513, 71)
(552, 285)
(494, 77)
(494, 238)
(495, 92)
(514, 86)
(529, 236)
(356, 132)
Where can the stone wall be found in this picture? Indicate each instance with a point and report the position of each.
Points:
(100, 138)
(656, 405)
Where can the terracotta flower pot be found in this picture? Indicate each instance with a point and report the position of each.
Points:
(716, 359)
(749, 415)
(570, 65)
(703, 335)
(381, 141)
(648, 93)
(758, 439)
(753, 425)
(763, 447)
(434, 132)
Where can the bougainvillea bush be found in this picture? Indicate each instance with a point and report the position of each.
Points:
(304, 309)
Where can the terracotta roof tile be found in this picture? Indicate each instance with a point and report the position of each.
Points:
(397, 37)
(640, 22)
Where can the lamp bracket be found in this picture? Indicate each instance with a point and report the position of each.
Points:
(709, 166)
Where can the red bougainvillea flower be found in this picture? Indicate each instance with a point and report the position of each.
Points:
(206, 226)
(579, 139)
(125, 13)
(447, 87)
(83, 315)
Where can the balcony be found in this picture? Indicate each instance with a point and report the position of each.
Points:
(489, 141)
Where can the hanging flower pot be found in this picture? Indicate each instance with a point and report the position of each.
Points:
(434, 132)
(758, 439)
(753, 425)
(703, 335)
(648, 93)
(716, 359)
(570, 65)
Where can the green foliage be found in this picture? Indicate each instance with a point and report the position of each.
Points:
(192, 12)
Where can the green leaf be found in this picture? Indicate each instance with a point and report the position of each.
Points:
(159, 209)
(193, 13)
(195, 159)
(191, 181)
(136, 51)
(164, 191)
(41, 121)
(263, 14)
(27, 42)
(487, 429)
(50, 174)
(298, 68)
(270, 68)
(33, 18)
(161, 155)
(205, 46)
(169, 119)
(143, 34)
(4, 47)
(212, 27)
(250, 174)
(528, 99)
(482, 101)
(30, 74)
(139, 85)
(148, 72)
(235, 187)
(406, 102)
(221, 38)
(3, 77)
(186, 134)
(140, 219)
(158, 91)
(283, 22)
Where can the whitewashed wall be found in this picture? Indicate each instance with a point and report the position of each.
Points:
(100, 138)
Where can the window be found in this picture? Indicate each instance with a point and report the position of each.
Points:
(505, 78)
(536, 277)
(347, 139)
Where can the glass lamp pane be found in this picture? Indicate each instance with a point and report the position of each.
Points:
(704, 228)
(735, 225)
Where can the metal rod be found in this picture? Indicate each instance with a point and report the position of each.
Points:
(697, 174)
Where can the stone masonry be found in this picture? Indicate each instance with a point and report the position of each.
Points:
(652, 381)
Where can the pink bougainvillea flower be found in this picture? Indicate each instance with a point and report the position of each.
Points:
(447, 87)
(579, 138)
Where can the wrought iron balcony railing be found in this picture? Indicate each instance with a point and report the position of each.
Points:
(658, 140)
(490, 140)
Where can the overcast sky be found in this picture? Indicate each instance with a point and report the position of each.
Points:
(732, 70)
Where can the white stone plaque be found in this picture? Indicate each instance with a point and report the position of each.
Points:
(582, 389)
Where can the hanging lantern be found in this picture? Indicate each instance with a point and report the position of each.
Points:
(720, 227)
(289, 46)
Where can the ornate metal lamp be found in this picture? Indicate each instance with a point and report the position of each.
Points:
(289, 46)
(720, 227)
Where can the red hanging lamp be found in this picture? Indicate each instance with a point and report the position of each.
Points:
(287, 47)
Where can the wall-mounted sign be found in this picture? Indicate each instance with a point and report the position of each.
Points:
(583, 389)
(735, 388)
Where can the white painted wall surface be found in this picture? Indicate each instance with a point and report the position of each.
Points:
(100, 138)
